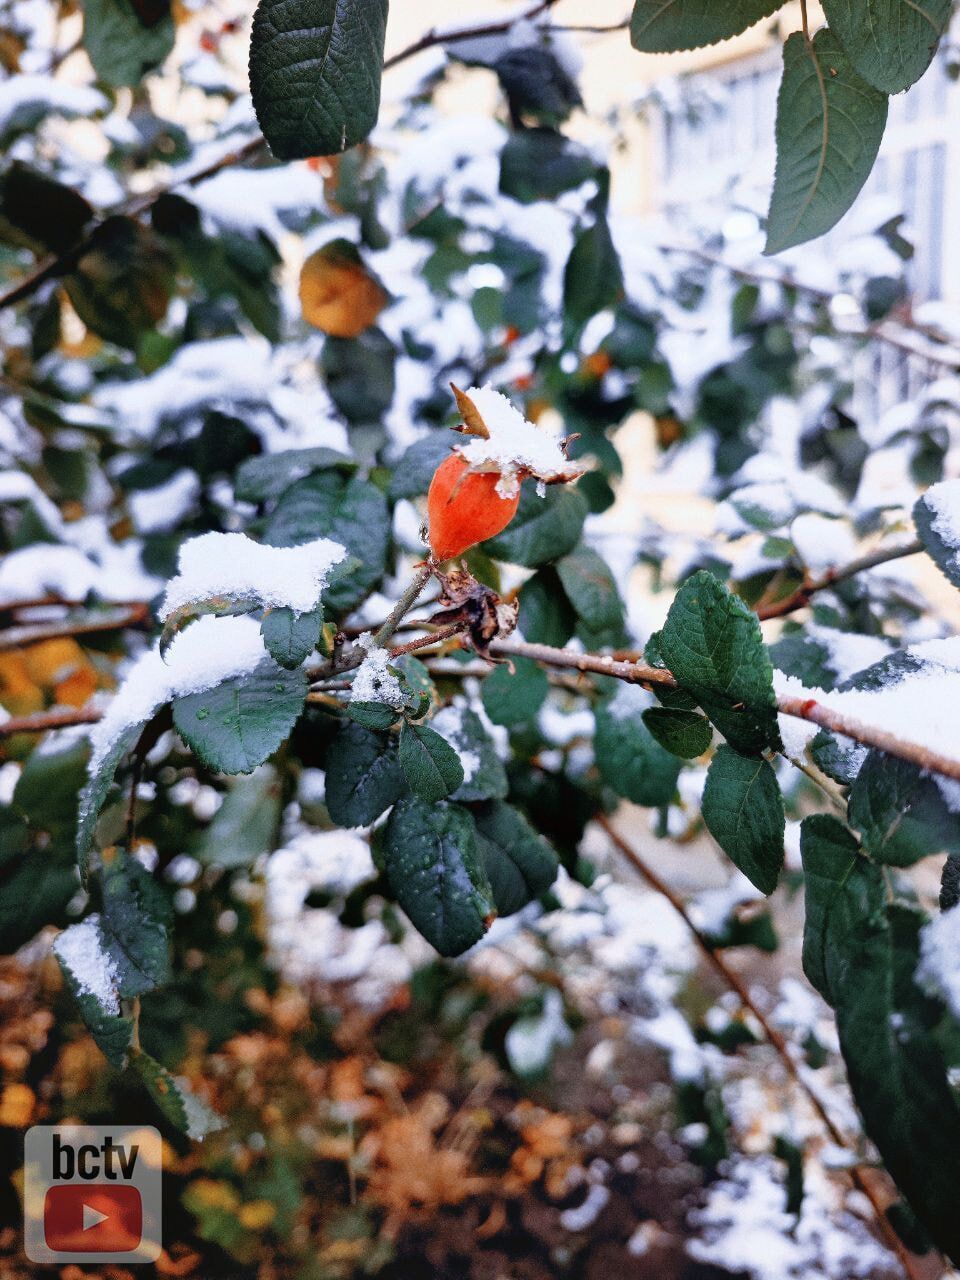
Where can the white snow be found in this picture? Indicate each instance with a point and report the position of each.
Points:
(80, 949)
(22, 96)
(919, 706)
(531, 1042)
(373, 680)
(939, 967)
(822, 543)
(157, 510)
(944, 502)
(203, 655)
(234, 566)
(516, 447)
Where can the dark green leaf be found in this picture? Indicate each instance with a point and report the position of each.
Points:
(134, 920)
(245, 825)
(360, 374)
(431, 766)
(543, 528)
(363, 776)
(890, 42)
(712, 643)
(593, 279)
(515, 698)
(411, 476)
(121, 286)
(95, 792)
(939, 528)
(900, 812)
(90, 974)
(268, 475)
(546, 615)
(829, 126)
(39, 213)
(121, 47)
(541, 164)
(315, 69)
(519, 863)
(743, 809)
(664, 26)
(372, 715)
(488, 779)
(240, 723)
(686, 734)
(437, 875)
(590, 588)
(629, 757)
(862, 956)
(291, 637)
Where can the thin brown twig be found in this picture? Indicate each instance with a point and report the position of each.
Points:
(800, 598)
(134, 615)
(430, 39)
(805, 20)
(42, 721)
(424, 642)
(770, 1032)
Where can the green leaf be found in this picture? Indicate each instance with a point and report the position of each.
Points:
(686, 734)
(829, 126)
(121, 286)
(519, 863)
(245, 825)
(436, 873)
(593, 278)
(411, 476)
(372, 715)
(291, 637)
(937, 517)
(94, 794)
(36, 885)
(268, 475)
(240, 723)
(121, 47)
(541, 164)
(712, 643)
(546, 615)
(488, 780)
(840, 887)
(543, 528)
(430, 765)
(363, 776)
(900, 812)
(315, 70)
(743, 809)
(890, 42)
(352, 512)
(134, 922)
(664, 26)
(47, 791)
(862, 956)
(38, 213)
(590, 588)
(360, 374)
(178, 1104)
(629, 757)
(515, 699)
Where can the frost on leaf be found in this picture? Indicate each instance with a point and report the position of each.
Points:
(84, 957)
(502, 440)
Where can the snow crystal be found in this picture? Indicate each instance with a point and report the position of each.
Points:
(374, 681)
(943, 500)
(939, 968)
(918, 706)
(515, 446)
(81, 951)
(233, 565)
(206, 653)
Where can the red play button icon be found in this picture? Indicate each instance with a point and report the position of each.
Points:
(97, 1218)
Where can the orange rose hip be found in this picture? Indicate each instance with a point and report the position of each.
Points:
(464, 508)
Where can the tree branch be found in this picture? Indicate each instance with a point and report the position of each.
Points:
(57, 718)
(800, 598)
(133, 615)
(736, 984)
